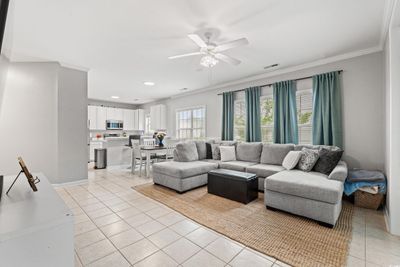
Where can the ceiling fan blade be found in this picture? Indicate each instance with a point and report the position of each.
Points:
(186, 55)
(228, 59)
(197, 40)
(232, 44)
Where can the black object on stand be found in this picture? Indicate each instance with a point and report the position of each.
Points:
(31, 180)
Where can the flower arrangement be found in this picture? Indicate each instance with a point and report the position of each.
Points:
(160, 135)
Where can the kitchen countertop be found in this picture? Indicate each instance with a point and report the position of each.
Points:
(107, 139)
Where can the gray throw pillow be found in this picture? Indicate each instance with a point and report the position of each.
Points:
(308, 159)
(216, 154)
(291, 160)
(186, 151)
(328, 159)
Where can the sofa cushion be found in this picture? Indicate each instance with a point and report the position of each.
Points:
(308, 159)
(201, 149)
(212, 161)
(228, 153)
(250, 152)
(236, 165)
(186, 151)
(311, 185)
(264, 170)
(275, 153)
(183, 169)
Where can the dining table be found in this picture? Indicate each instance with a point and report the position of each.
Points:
(148, 150)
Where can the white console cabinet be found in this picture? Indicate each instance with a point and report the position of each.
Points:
(36, 228)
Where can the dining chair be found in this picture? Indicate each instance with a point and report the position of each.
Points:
(149, 142)
(139, 156)
(170, 145)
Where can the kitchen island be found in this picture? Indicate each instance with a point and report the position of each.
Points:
(118, 151)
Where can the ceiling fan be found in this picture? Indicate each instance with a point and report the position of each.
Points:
(211, 52)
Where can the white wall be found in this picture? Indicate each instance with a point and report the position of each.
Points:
(363, 98)
(3, 76)
(392, 123)
(72, 125)
(28, 118)
(43, 119)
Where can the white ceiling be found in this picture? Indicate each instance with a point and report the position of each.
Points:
(126, 42)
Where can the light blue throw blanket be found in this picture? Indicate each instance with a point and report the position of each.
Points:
(363, 178)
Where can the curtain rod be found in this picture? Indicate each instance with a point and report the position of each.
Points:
(265, 85)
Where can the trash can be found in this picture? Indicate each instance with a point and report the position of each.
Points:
(100, 158)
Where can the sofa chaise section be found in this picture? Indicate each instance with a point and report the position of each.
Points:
(182, 176)
(309, 194)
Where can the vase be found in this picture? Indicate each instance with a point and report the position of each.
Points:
(160, 142)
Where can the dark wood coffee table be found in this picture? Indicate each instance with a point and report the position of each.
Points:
(234, 185)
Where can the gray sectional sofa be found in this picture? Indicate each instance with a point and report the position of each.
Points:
(310, 194)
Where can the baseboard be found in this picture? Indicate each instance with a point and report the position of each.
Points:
(78, 182)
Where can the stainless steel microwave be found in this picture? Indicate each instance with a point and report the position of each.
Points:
(114, 125)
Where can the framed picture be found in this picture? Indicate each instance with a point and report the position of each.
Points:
(31, 180)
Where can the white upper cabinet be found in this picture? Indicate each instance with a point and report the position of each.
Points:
(92, 117)
(101, 118)
(129, 119)
(141, 119)
(97, 117)
(158, 117)
(115, 114)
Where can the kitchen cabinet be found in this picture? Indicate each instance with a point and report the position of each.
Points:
(133, 119)
(115, 114)
(101, 118)
(92, 117)
(129, 119)
(140, 119)
(158, 117)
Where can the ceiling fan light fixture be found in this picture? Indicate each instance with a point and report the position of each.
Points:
(208, 61)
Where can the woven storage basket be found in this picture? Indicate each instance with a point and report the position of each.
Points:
(367, 200)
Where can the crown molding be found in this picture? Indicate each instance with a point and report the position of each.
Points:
(388, 15)
(286, 70)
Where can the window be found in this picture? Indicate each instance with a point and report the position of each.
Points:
(267, 118)
(239, 122)
(191, 123)
(304, 116)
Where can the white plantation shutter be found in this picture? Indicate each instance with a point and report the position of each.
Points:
(304, 116)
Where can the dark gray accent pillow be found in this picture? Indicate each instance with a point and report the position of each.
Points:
(209, 150)
(328, 159)
(201, 149)
(308, 159)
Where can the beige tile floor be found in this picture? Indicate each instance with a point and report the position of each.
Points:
(116, 226)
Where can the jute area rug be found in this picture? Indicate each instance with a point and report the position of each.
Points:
(291, 239)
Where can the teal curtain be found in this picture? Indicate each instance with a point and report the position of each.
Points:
(253, 119)
(285, 113)
(227, 115)
(327, 110)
